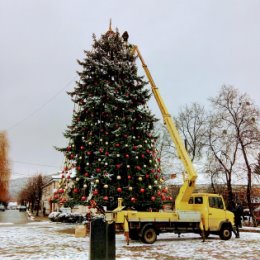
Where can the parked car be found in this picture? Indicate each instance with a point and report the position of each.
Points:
(12, 205)
(2, 207)
(22, 208)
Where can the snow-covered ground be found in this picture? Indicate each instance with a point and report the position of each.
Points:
(50, 241)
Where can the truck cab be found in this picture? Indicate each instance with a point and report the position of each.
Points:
(215, 217)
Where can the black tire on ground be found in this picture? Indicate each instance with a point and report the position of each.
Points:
(225, 232)
(149, 235)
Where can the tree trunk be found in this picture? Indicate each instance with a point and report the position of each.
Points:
(249, 183)
(229, 190)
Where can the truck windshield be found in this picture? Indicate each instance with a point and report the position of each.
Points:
(216, 202)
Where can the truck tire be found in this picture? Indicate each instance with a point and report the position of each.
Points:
(149, 235)
(225, 232)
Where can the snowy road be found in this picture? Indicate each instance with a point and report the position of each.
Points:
(13, 216)
(44, 240)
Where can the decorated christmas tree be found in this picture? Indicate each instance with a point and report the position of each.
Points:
(111, 145)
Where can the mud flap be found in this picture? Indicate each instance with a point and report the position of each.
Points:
(202, 229)
(126, 230)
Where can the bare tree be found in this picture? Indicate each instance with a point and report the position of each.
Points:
(165, 148)
(214, 170)
(32, 193)
(257, 165)
(4, 168)
(241, 117)
(191, 123)
(222, 152)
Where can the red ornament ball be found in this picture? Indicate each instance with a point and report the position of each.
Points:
(133, 199)
(105, 198)
(153, 198)
(142, 190)
(83, 198)
(95, 192)
(119, 189)
(164, 190)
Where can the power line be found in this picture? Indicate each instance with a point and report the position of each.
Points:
(42, 106)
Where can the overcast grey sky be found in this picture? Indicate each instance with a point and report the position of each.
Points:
(191, 47)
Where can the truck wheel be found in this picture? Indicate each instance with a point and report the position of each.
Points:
(149, 235)
(225, 232)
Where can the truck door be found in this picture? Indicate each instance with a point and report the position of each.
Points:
(217, 213)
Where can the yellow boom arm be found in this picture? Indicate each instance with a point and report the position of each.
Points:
(189, 183)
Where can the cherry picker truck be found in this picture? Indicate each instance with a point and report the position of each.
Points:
(202, 213)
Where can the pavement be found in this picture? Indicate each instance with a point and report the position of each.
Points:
(250, 229)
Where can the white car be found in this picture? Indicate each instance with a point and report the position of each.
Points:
(2, 207)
